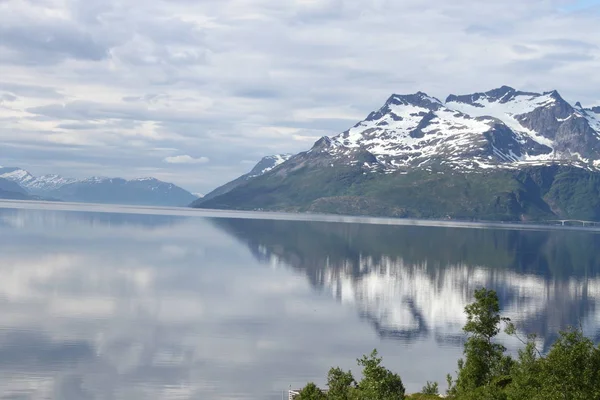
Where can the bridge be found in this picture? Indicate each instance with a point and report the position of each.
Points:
(577, 221)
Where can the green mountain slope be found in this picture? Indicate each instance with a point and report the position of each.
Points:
(504, 154)
(533, 193)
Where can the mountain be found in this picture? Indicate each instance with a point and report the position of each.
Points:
(35, 185)
(143, 191)
(265, 165)
(502, 154)
(10, 186)
(12, 191)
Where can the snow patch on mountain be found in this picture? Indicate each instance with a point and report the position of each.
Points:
(268, 163)
(35, 185)
(502, 128)
(50, 182)
(593, 118)
(505, 111)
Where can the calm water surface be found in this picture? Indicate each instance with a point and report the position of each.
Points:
(122, 306)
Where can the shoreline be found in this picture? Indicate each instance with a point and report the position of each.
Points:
(282, 216)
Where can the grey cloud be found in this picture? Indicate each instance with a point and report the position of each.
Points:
(50, 44)
(564, 57)
(77, 126)
(570, 44)
(521, 49)
(7, 97)
(258, 93)
(89, 110)
(148, 98)
(211, 77)
(330, 125)
(486, 30)
(548, 62)
(30, 90)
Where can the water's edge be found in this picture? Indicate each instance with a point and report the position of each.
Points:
(189, 212)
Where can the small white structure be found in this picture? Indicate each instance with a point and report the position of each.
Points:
(292, 393)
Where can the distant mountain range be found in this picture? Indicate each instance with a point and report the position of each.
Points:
(16, 183)
(500, 155)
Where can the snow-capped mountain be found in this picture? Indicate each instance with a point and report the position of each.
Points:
(503, 154)
(142, 191)
(500, 128)
(266, 164)
(35, 185)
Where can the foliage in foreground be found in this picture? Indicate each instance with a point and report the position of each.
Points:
(378, 383)
(570, 370)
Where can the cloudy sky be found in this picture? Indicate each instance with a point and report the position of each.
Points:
(196, 91)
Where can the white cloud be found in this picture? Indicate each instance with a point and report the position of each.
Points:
(241, 79)
(185, 159)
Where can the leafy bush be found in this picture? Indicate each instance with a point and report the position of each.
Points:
(430, 388)
(570, 370)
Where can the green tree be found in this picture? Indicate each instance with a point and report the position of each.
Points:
(341, 384)
(311, 392)
(485, 369)
(571, 370)
(431, 388)
(527, 380)
(378, 383)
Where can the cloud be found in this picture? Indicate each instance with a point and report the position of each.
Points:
(241, 79)
(26, 90)
(185, 159)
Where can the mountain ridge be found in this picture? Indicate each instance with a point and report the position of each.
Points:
(139, 191)
(518, 140)
(265, 165)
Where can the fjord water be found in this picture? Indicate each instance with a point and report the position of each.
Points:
(120, 306)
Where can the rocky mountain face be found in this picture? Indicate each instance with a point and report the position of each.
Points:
(265, 165)
(502, 154)
(143, 191)
(502, 128)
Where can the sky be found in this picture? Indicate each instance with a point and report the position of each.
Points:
(195, 92)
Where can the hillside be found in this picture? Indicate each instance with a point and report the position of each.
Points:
(265, 165)
(498, 155)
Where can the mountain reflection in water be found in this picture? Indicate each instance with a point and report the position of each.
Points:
(411, 282)
(95, 305)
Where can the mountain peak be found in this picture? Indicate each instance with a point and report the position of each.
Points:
(268, 163)
(145, 179)
(555, 95)
(500, 92)
(503, 94)
(419, 99)
(396, 102)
